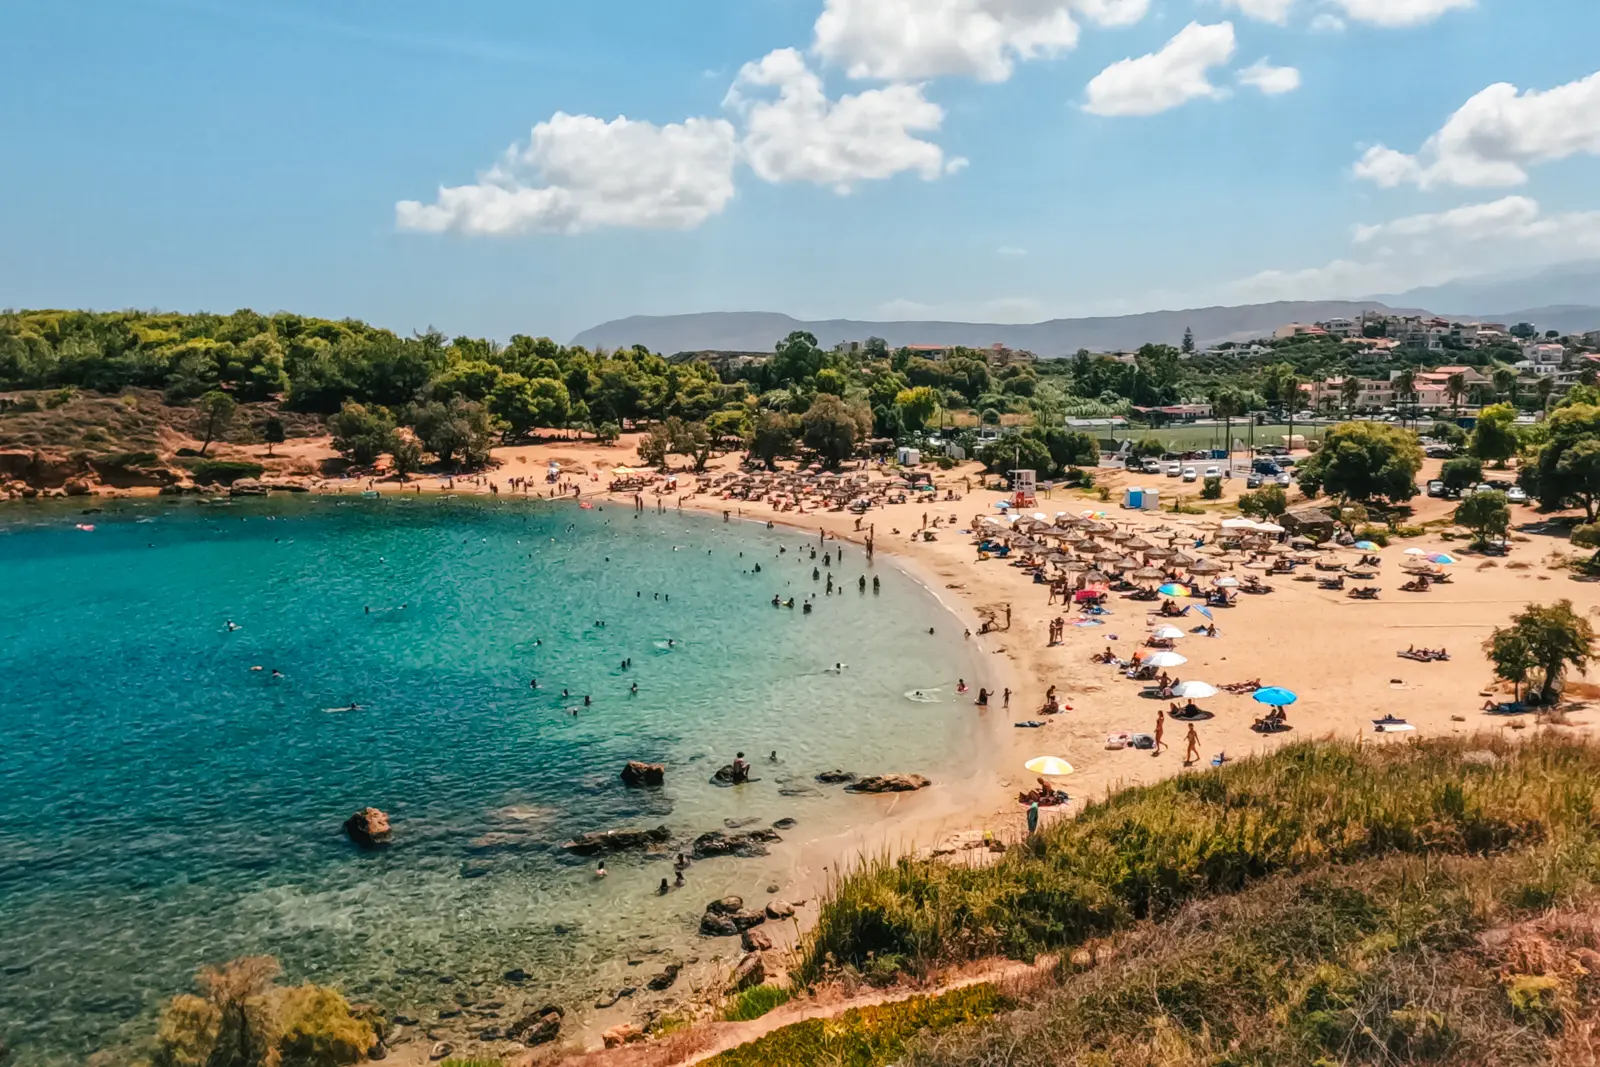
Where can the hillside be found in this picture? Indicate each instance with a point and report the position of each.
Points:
(758, 331)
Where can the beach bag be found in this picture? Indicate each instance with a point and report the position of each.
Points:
(1143, 741)
(1117, 742)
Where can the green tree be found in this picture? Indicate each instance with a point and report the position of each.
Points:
(525, 405)
(1365, 461)
(772, 437)
(362, 434)
(1513, 660)
(1350, 393)
(1588, 537)
(834, 429)
(607, 432)
(217, 408)
(1268, 502)
(1548, 639)
(1505, 383)
(1568, 467)
(1448, 433)
(1069, 448)
(832, 380)
(1487, 515)
(1149, 447)
(1455, 387)
(655, 447)
(272, 432)
(405, 451)
(1459, 475)
(1229, 404)
(457, 431)
(1495, 439)
(1018, 452)
(1187, 347)
(1211, 488)
(917, 406)
(1405, 391)
(1546, 387)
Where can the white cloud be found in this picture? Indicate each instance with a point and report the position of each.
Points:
(801, 135)
(1326, 23)
(1010, 250)
(903, 40)
(1163, 80)
(580, 173)
(1273, 11)
(1394, 13)
(1273, 81)
(1475, 240)
(1495, 136)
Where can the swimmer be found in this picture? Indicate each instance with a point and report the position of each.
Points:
(600, 869)
(634, 688)
(586, 701)
(679, 880)
(533, 683)
(565, 694)
(774, 757)
(255, 668)
(961, 685)
(671, 643)
(276, 673)
(663, 889)
(231, 626)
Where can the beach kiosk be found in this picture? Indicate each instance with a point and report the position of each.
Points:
(1025, 488)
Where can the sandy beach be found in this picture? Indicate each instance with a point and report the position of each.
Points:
(1336, 653)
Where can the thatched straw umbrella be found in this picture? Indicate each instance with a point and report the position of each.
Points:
(1147, 574)
(1206, 566)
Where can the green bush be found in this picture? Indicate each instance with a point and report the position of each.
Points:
(131, 460)
(1535, 1000)
(865, 1037)
(222, 471)
(755, 1002)
(1378, 535)
(946, 463)
(1211, 489)
(316, 1029)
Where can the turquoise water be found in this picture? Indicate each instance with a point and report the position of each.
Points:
(163, 806)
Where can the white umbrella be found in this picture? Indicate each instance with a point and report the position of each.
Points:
(1269, 527)
(1227, 583)
(1195, 690)
(1049, 766)
(1416, 552)
(1239, 524)
(1165, 660)
(1168, 633)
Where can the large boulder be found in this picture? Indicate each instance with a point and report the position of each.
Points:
(637, 773)
(751, 971)
(617, 840)
(726, 906)
(537, 1027)
(368, 828)
(665, 979)
(779, 909)
(746, 843)
(755, 940)
(728, 918)
(247, 487)
(889, 783)
(713, 925)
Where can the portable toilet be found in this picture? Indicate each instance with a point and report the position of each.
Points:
(1133, 497)
(910, 457)
(1152, 500)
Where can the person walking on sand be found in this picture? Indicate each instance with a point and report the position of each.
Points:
(1033, 817)
(1161, 730)
(1192, 753)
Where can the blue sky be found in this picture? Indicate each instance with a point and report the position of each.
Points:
(862, 158)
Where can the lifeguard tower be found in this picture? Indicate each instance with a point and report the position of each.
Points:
(1025, 489)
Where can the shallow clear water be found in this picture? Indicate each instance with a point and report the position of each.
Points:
(163, 806)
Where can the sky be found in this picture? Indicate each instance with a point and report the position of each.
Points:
(491, 167)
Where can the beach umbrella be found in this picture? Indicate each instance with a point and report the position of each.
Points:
(1269, 527)
(1158, 553)
(1127, 563)
(1205, 611)
(1206, 566)
(1175, 589)
(1366, 546)
(1238, 524)
(1169, 633)
(1095, 578)
(1147, 574)
(1277, 696)
(1195, 690)
(1227, 583)
(1049, 766)
(1442, 557)
(1416, 552)
(1165, 660)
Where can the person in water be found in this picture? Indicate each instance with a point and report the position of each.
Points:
(961, 683)
(634, 688)
(533, 683)
(663, 889)
(586, 701)
(600, 869)
(741, 769)
(565, 694)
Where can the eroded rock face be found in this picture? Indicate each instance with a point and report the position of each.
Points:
(637, 773)
(617, 840)
(889, 783)
(745, 843)
(368, 828)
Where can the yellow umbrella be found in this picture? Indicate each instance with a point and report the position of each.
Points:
(1049, 766)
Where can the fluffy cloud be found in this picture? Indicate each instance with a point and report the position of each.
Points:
(1509, 234)
(580, 173)
(1492, 140)
(1273, 11)
(1163, 80)
(902, 40)
(1273, 81)
(1398, 12)
(801, 135)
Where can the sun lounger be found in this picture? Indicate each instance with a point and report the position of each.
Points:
(1271, 726)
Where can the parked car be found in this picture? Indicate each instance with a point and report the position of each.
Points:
(1189, 474)
(1253, 481)
(1439, 452)
(1517, 495)
(1266, 466)
(1284, 481)
(1151, 467)
(1213, 472)
(1175, 470)
(1436, 489)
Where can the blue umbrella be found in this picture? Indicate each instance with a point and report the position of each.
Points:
(1206, 612)
(1366, 546)
(1276, 696)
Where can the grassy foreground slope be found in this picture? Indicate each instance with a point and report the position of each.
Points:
(1328, 904)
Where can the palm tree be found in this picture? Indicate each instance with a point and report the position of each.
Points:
(1405, 389)
(1350, 393)
(1505, 383)
(1289, 382)
(1228, 403)
(1547, 385)
(1455, 387)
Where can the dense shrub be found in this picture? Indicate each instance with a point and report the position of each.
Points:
(223, 471)
(755, 1002)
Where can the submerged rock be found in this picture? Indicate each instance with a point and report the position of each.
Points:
(835, 777)
(537, 1028)
(637, 773)
(746, 843)
(617, 840)
(665, 979)
(611, 1001)
(713, 925)
(889, 783)
(368, 828)
(785, 824)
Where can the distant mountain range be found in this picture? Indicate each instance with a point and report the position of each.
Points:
(1569, 302)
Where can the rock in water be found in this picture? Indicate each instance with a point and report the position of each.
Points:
(617, 840)
(539, 1028)
(755, 941)
(779, 909)
(835, 777)
(751, 971)
(637, 773)
(665, 979)
(785, 824)
(712, 925)
(725, 906)
(747, 843)
(727, 917)
(368, 828)
(889, 783)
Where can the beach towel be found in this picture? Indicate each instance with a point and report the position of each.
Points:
(1031, 724)
(1084, 623)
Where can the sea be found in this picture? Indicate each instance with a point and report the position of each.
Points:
(195, 695)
